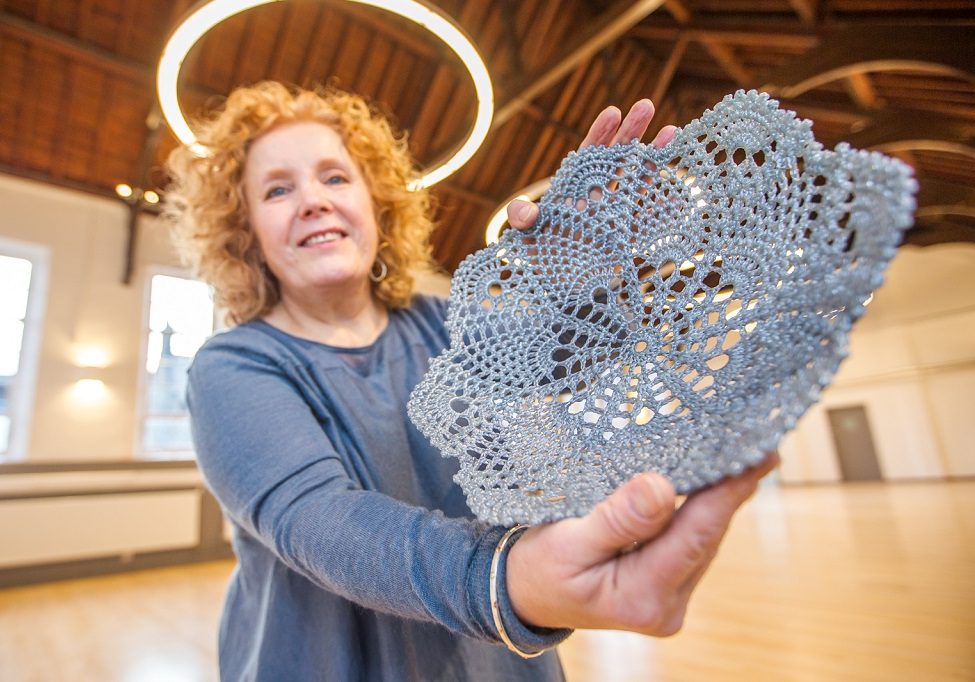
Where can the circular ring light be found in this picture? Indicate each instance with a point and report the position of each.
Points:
(212, 13)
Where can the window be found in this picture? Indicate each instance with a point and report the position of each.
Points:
(23, 279)
(180, 318)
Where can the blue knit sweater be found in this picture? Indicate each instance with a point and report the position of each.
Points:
(358, 557)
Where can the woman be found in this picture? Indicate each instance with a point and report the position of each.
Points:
(358, 558)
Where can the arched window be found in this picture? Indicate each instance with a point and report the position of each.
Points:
(23, 281)
(180, 318)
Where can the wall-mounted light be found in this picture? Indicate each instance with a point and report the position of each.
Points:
(90, 363)
(89, 391)
(197, 24)
(91, 356)
(123, 190)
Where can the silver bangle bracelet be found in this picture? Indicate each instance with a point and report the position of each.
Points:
(495, 609)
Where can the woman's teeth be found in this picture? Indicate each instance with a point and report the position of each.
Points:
(322, 238)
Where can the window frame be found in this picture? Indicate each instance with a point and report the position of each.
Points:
(142, 398)
(22, 400)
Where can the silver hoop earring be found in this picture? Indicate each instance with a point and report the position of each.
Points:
(383, 270)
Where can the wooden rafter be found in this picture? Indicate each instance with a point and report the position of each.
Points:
(806, 9)
(150, 143)
(888, 127)
(668, 70)
(862, 91)
(14, 26)
(933, 230)
(727, 60)
(796, 38)
(859, 49)
(557, 63)
(602, 32)
(941, 193)
(678, 10)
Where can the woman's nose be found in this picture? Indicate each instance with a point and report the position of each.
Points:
(314, 200)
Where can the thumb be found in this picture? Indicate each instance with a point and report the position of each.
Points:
(522, 214)
(636, 512)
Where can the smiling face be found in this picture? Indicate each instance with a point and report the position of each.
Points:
(310, 207)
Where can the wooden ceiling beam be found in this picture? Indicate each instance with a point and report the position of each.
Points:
(666, 74)
(150, 143)
(45, 38)
(797, 39)
(602, 32)
(886, 130)
(727, 60)
(888, 127)
(511, 36)
(942, 193)
(678, 10)
(400, 31)
(537, 113)
(41, 36)
(929, 231)
(851, 116)
(468, 195)
(806, 9)
(862, 92)
(683, 15)
(612, 77)
(944, 50)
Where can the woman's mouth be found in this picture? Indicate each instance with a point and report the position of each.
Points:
(323, 237)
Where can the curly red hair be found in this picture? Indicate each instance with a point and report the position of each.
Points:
(206, 206)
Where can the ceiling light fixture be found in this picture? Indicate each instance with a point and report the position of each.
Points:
(212, 13)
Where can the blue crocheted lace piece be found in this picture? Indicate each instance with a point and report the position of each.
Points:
(675, 310)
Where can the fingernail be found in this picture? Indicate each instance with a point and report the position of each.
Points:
(648, 504)
(524, 211)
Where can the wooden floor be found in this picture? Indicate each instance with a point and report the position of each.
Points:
(854, 582)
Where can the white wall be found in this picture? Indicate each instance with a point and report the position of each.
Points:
(912, 366)
(88, 307)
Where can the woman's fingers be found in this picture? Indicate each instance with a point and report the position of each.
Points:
(603, 128)
(581, 572)
(700, 524)
(637, 512)
(610, 127)
(561, 574)
(522, 214)
(664, 136)
(636, 122)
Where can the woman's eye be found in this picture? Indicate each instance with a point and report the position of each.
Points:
(274, 192)
(336, 180)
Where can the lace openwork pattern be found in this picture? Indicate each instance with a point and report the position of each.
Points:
(675, 310)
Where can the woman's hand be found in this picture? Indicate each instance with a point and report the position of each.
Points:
(607, 129)
(631, 563)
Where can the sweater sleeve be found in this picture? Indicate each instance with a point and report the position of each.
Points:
(264, 455)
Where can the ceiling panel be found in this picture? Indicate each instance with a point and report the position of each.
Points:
(77, 83)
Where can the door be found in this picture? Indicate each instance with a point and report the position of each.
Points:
(854, 444)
